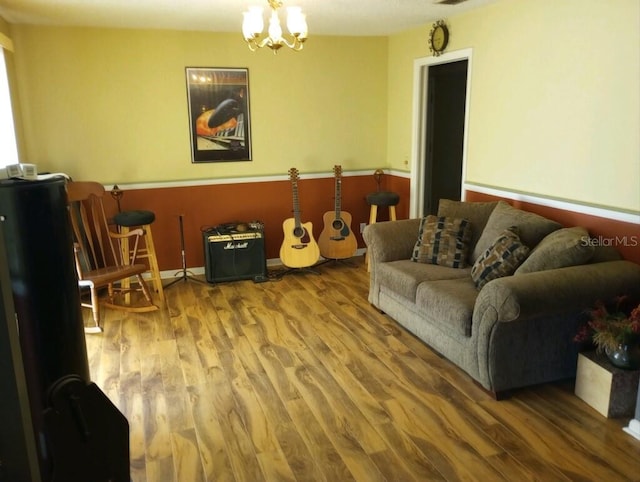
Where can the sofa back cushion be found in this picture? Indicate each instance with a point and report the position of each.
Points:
(443, 240)
(532, 228)
(605, 253)
(402, 277)
(562, 248)
(477, 213)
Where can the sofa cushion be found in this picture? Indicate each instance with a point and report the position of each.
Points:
(500, 259)
(403, 276)
(443, 241)
(477, 213)
(562, 248)
(449, 303)
(604, 253)
(532, 227)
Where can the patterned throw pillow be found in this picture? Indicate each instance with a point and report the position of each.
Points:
(502, 258)
(443, 241)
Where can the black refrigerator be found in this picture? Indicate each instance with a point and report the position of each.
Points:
(57, 425)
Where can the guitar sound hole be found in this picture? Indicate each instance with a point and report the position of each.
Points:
(301, 234)
(337, 224)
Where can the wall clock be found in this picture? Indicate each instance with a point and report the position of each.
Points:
(438, 38)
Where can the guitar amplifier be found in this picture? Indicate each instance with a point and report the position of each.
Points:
(232, 255)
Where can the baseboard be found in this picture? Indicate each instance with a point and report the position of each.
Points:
(199, 270)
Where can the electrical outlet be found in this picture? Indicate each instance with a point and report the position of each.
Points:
(362, 226)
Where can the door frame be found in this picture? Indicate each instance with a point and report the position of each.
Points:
(419, 123)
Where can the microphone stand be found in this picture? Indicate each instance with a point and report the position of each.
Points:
(186, 274)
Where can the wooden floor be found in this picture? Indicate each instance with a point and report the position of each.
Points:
(301, 379)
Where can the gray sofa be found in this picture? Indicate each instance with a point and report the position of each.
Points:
(512, 329)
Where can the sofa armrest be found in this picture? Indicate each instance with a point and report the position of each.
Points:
(523, 325)
(549, 292)
(388, 241)
(391, 240)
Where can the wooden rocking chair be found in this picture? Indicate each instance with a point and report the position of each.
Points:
(100, 261)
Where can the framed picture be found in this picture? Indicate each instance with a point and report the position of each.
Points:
(219, 119)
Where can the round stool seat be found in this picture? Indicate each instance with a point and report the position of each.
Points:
(134, 218)
(383, 198)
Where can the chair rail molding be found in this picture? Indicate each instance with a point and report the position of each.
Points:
(557, 203)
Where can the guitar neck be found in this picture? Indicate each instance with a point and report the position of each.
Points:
(338, 203)
(296, 204)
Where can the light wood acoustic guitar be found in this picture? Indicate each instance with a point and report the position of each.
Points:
(336, 240)
(299, 249)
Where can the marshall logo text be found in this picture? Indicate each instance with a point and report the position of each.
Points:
(238, 245)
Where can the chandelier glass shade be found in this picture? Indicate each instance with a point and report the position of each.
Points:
(253, 25)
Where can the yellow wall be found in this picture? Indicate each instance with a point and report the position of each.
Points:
(110, 105)
(555, 98)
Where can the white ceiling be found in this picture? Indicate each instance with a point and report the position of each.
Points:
(324, 17)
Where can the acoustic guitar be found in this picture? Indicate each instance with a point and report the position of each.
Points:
(336, 240)
(299, 249)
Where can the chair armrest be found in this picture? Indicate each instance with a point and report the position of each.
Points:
(124, 244)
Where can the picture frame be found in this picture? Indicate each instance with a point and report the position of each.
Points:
(219, 114)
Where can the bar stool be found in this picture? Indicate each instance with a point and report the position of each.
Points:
(377, 199)
(382, 198)
(126, 220)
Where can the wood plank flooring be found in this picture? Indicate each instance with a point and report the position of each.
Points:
(301, 379)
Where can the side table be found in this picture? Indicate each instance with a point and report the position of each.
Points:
(610, 390)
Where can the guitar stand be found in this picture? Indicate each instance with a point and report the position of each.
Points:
(345, 262)
(297, 270)
(186, 274)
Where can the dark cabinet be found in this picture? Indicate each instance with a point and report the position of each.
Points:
(43, 357)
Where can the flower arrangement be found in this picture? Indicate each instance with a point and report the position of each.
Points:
(612, 324)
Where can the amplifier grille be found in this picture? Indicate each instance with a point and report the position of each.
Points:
(237, 256)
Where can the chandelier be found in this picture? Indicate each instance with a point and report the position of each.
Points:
(253, 24)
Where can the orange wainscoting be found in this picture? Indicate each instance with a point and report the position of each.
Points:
(625, 237)
(270, 202)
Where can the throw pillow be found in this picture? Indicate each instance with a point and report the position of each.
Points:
(532, 227)
(443, 241)
(500, 259)
(477, 213)
(562, 248)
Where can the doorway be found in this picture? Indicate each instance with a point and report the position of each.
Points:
(446, 96)
(440, 124)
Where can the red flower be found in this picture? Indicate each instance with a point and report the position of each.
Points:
(600, 311)
(612, 323)
(582, 335)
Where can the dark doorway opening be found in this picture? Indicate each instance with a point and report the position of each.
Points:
(446, 100)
